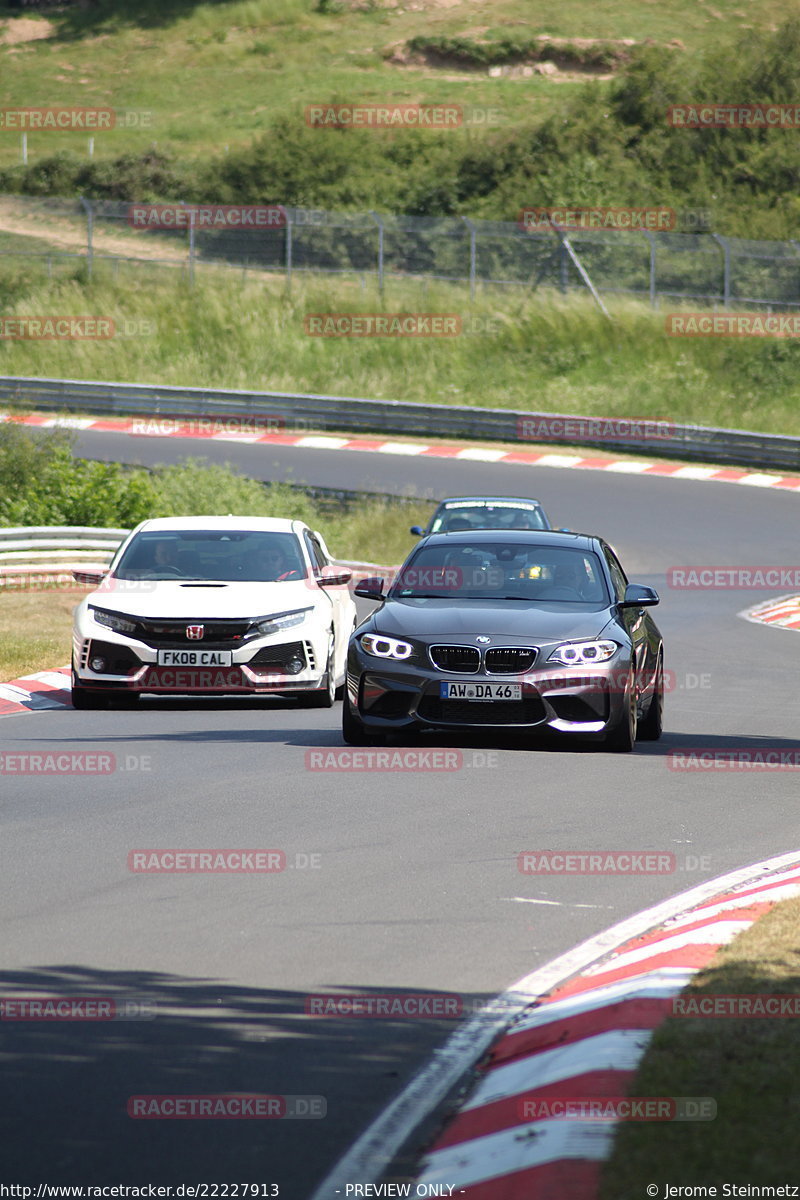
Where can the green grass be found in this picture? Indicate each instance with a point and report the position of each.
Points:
(749, 1066)
(35, 631)
(546, 352)
(215, 75)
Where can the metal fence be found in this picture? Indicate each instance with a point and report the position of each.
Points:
(687, 267)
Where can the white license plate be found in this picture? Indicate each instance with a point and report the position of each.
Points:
(195, 658)
(480, 691)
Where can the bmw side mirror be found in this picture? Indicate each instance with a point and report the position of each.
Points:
(417, 530)
(638, 595)
(370, 588)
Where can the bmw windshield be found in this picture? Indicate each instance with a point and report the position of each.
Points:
(503, 571)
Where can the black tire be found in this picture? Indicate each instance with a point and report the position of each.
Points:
(353, 731)
(323, 697)
(621, 738)
(652, 725)
(83, 698)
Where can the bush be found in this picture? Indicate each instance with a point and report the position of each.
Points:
(42, 484)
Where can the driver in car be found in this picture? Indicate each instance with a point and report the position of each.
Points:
(165, 554)
(273, 565)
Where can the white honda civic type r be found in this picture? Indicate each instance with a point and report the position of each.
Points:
(214, 606)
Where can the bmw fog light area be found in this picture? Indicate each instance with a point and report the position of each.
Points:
(580, 653)
(98, 664)
(385, 647)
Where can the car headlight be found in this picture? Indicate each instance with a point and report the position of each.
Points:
(282, 620)
(385, 647)
(575, 653)
(112, 620)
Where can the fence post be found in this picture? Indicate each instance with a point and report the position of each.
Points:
(564, 279)
(192, 213)
(472, 255)
(378, 220)
(726, 268)
(87, 204)
(567, 247)
(288, 251)
(651, 239)
(24, 150)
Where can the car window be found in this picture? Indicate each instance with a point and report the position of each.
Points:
(486, 570)
(617, 574)
(316, 554)
(478, 514)
(213, 555)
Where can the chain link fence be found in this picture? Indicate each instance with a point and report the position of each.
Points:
(704, 267)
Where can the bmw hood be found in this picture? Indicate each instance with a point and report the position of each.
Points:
(501, 618)
(192, 599)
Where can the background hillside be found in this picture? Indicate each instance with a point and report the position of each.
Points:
(571, 102)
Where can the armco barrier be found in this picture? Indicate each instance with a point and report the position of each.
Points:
(345, 414)
(28, 554)
(35, 551)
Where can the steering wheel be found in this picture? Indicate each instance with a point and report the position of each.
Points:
(160, 570)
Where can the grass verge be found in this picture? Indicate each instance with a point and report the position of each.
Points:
(748, 1065)
(530, 351)
(35, 630)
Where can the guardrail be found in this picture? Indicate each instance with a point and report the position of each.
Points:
(47, 554)
(349, 415)
(75, 547)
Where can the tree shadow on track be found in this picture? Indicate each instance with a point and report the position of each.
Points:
(63, 1114)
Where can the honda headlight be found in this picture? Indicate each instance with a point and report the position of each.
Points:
(282, 621)
(385, 647)
(580, 653)
(112, 620)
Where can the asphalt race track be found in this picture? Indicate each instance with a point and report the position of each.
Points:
(415, 888)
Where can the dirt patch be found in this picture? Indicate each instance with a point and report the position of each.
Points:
(519, 58)
(25, 29)
(69, 234)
